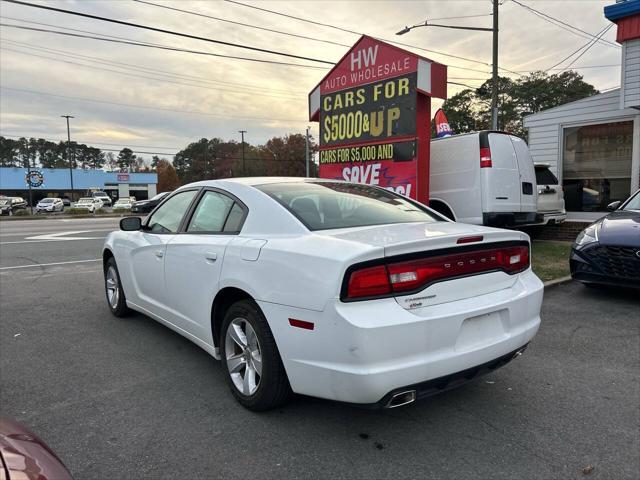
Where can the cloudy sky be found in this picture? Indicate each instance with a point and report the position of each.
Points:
(158, 100)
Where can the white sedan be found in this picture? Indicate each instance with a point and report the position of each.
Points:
(336, 290)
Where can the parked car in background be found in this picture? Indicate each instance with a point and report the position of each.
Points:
(608, 251)
(66, 201)
(483, 178)
(10, 205)
(106, 199)
(89, 203)
(24, 456)
(122, 204)
(336, 290)
(50, 205)
(145, 206)
(551, 208)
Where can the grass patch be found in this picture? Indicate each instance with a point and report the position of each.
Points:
(550, 259)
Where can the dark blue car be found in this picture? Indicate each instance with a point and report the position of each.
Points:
(608, 251)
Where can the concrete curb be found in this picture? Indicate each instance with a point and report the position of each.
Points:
(557, 281)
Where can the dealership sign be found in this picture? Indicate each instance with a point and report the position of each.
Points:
(34, 179)
(374, 111)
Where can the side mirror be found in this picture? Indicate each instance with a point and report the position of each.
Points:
(614, 205)
(130, 224)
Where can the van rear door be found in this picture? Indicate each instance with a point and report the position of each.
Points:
(501, 181)
(528, 189)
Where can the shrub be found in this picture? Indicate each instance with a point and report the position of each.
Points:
(22, 213)
(76, 211)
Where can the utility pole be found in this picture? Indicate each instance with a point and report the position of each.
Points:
(206, 147)
(494, 30)
(494, 90)
(306, 151)
(242, 132)
(68, 155)
(29, 183)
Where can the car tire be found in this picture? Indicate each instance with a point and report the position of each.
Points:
(253, 367)
(116, 299)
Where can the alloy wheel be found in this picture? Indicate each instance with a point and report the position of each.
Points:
(113, 290)
(244, 356)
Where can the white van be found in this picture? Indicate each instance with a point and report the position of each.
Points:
(484, 178)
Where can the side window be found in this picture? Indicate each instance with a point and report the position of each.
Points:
(168, 217)
(235, 218)
(211, 213)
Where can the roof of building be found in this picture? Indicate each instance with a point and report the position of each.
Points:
(622, 9)
(610, 93)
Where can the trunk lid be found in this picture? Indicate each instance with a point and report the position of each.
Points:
(403, 238)
(416, 238)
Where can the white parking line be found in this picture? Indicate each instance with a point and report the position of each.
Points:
(51, 240)
(50, 264)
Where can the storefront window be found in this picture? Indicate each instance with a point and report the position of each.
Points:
(596, 165)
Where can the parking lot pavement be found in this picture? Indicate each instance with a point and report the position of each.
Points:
(31, 242)
(129, 398)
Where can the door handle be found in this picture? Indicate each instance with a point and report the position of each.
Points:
(159, 253)
(211, 256)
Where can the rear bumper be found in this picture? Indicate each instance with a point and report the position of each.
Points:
(553, 217)
(362, 352)
(448, 382)
(508, 219)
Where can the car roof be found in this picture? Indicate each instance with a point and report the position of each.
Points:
(256, 181)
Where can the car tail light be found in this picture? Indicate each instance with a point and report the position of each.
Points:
(413, 275)
(369, 282)
(485, 157)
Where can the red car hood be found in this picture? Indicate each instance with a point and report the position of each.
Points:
(26, 456)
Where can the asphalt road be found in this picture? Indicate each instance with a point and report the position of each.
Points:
(128, 398)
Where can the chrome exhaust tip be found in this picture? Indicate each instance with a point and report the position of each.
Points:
(401, 398)
(519, 352)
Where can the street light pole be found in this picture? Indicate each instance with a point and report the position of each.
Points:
(306, 151)
(68, 154)
(494, 89)
(494, 30)
(242, 132)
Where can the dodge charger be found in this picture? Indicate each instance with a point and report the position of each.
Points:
(331, 289)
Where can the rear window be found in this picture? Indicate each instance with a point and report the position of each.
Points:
(544, 176)
(329, 205)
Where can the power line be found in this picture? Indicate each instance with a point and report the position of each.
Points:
(145, 69)
(314, 22)
(89, 144)
(190, 12)
(133, 43)
(593, 42)
(128, 74)
(581, 67)
(147, 107)
(191, 51)
(463, 16)
(161, 47)
(559, 23)
(586, 45)
(168, 32)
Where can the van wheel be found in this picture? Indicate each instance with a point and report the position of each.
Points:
(442, 210)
